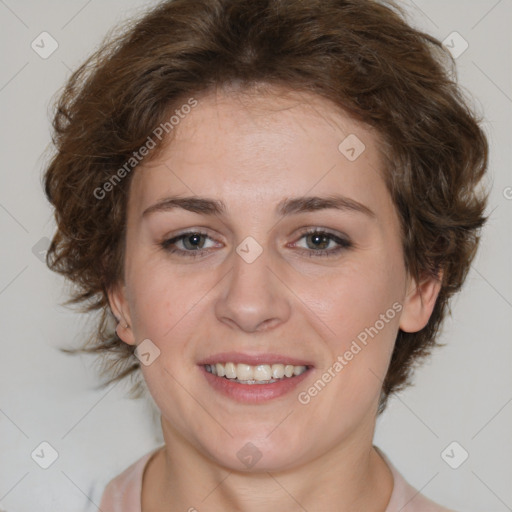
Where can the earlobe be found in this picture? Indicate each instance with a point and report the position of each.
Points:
(119, 307)
(419, 302)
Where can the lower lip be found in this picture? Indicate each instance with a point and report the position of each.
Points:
(253, 393)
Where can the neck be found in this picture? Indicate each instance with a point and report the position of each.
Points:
(351, 476)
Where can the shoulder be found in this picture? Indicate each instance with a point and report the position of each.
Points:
(405, 498)
(123, 492)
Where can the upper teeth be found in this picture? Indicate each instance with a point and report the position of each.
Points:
(261, 372)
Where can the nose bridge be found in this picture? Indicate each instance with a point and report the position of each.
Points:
(253, 296)
(251, 262)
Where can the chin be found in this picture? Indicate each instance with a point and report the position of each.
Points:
(256, 454)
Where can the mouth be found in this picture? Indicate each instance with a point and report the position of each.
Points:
(255, 375)
(254, 379)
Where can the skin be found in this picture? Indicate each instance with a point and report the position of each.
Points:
(251, 151)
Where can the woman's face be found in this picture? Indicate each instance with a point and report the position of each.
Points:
(254, 288)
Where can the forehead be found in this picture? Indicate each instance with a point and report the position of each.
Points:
(247, 148)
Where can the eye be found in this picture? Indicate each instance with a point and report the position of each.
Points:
(319, 240)
(191, 241)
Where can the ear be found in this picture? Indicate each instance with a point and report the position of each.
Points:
(120, 309)
(419, 302)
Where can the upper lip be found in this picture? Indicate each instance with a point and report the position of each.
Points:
(253, 359)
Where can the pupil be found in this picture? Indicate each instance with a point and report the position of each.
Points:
(195, 237)
(318, 238)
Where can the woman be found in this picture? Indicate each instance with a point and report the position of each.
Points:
(270, 204)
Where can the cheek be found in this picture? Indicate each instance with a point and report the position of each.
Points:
(168, 307)
(362, 312)
(157, 301)
(363, 308)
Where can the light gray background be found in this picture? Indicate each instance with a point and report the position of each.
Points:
(463, 394)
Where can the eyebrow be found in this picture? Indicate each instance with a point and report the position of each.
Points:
(286, 207)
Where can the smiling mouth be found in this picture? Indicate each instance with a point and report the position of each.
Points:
(258, 374)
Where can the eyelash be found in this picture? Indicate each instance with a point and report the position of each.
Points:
(343, 244)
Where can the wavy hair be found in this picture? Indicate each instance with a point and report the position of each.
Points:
(362, 55)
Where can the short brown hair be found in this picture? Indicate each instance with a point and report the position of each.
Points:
(362, 55)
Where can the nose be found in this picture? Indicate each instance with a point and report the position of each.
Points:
(254, 297)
